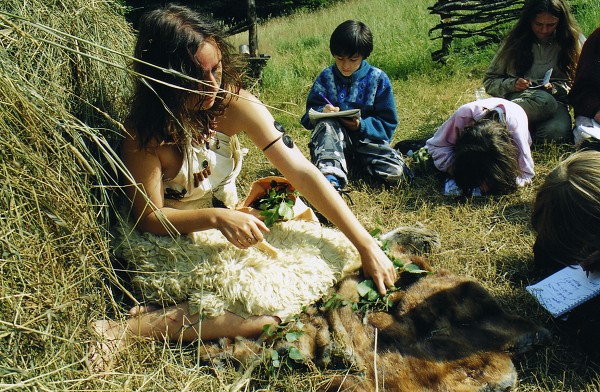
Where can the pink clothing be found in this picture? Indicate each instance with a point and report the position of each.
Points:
(440, 145)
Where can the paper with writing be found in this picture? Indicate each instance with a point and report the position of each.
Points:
(565, 289)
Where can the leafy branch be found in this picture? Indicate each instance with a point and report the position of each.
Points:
(290, 355)
(277, 203)
(370, 300)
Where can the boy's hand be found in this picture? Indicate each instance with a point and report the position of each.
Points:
(350, 123)
(330, 109)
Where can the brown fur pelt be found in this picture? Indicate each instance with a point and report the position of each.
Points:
(442, 333)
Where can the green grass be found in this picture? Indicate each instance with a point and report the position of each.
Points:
(54, 250)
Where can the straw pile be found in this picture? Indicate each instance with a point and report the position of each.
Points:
(62, 94)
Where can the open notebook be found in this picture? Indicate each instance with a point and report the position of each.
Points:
(315, 116)
(566, 289)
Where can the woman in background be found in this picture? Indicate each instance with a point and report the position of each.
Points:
(546, 37)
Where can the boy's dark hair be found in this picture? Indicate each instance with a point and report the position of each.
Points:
(484, 154)
(350, 38)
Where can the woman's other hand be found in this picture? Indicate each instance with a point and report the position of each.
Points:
(522, 84)
(242, 229)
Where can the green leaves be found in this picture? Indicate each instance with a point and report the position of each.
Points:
(370, 300)
(366, 289)
(277, 204)
(288, 355)
(293, 336)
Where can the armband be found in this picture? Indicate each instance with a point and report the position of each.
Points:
(287, 140)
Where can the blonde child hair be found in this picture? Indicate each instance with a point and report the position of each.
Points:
(566, 211)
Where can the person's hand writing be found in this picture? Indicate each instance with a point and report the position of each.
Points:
(330, 109)
(377, 266)
(350, 123)
(522, 84)
(242, 229)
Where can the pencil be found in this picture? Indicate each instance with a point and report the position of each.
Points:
(325, 98)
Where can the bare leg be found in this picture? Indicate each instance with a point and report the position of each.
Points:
(173, 323)
(176, 322)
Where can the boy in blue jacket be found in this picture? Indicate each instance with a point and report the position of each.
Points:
(352, 83)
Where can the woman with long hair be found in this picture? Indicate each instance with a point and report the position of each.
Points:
(546, 40)
(190, 247)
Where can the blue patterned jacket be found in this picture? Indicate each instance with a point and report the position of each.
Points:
(368, 89)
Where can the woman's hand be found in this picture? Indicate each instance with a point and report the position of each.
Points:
(522, 84)
(242, 229)
(378, 267)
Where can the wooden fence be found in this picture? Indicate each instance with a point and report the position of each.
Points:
(256, 60)
(471, 18)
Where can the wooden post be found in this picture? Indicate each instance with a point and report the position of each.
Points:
(446, 34)
(253, 30)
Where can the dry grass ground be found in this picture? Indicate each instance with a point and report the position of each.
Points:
(55, 257)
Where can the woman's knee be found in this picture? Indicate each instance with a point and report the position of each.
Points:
(539, 105)
(557, 128)
(254, 326)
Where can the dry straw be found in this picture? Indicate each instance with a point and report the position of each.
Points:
(59, 115)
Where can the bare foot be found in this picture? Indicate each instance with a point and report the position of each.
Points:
(103, 353)
(141, 309)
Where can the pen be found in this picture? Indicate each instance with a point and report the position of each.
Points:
(325, 98)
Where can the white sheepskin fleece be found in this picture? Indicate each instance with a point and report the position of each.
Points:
(214, 276)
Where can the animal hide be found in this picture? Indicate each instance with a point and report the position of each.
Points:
(442, 333)
(210, 273)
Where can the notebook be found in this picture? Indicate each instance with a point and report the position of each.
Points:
(566, 289)
(315, 116)
(546, 79)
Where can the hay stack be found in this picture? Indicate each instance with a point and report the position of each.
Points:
(60, 101)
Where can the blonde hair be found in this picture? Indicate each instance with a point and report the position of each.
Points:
(566, 211)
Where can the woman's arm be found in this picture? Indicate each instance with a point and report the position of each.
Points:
(499, 83)
(249, 115)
